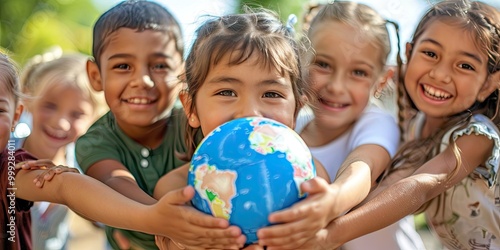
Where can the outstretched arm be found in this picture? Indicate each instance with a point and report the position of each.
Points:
(354, 180)
(118, 177)
(173, 180)
(94, 200)
(357, 175)
(86, 196)
(409, 194)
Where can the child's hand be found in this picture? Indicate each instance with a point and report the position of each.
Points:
(320, 242)
(50, 170)
(33, 165)
(301, 222)
(191, 228)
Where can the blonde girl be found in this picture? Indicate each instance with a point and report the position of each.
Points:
(61, 105)
(354, 139)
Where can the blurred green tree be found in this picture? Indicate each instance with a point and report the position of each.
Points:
(29, 27)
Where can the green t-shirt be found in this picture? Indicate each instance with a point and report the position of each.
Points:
(105, 140)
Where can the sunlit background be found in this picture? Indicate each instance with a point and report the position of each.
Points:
(30, 27)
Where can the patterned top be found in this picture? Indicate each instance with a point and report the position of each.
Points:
(467, 216)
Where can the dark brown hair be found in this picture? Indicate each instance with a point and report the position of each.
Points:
(242, 35)
(137, 15)
(481, 22)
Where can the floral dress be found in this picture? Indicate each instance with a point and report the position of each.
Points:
(467, 216)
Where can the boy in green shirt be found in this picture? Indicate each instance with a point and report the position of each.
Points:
(138, 55)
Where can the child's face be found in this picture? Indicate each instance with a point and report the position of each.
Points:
(8, 115)
(60, 114)
(345, 67)
(445, 71)
(138, 74)
(243, 90)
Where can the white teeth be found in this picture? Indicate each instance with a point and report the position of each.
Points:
(333, 104)
(138, 101)
(436, 93)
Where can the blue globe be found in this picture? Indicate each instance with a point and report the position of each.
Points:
(246, 169)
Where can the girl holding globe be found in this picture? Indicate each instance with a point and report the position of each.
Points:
(247, 65)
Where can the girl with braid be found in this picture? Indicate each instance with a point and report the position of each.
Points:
(353, 138)
(448, 164)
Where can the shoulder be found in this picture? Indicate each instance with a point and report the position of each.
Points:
(376, 122)
(372, 113)
(478, 125)
(103, 128)
(481, 125)
(376, 126)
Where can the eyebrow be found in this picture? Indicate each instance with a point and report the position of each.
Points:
(237, 81)
(465, 53)
(356, 61)
(4, 101)
(124, 55)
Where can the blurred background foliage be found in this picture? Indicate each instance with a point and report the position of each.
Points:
(30, 27)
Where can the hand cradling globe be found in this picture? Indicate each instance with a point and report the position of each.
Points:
(248, 168)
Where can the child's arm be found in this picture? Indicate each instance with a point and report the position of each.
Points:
(409, 194)
(353, 183)
(173, 180)
(94, 200)
(118, 177)
(50, 170)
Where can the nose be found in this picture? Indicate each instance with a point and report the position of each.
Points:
(247, 108)
(64, 124)
(336, 83)
(441, 73)
(142, 79)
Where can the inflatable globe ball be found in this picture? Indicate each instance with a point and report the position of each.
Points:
(248, 168)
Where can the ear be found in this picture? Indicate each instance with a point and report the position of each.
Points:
(17, 115)
(384, 78)
(492, 83)
(409, 47)
(94, 75)
(191, 115)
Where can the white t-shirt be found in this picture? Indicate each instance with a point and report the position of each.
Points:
(375, 126)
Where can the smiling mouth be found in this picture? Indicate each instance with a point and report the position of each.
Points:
(138, 101)
(435, 93)
(60, 135)
(332, 104)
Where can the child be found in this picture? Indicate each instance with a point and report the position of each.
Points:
(62, 106)
(448, 165)
(84, 195)
(239, 66)
(138, 54)
(351, 138)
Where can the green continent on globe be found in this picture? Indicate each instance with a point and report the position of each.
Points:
(217, 187)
